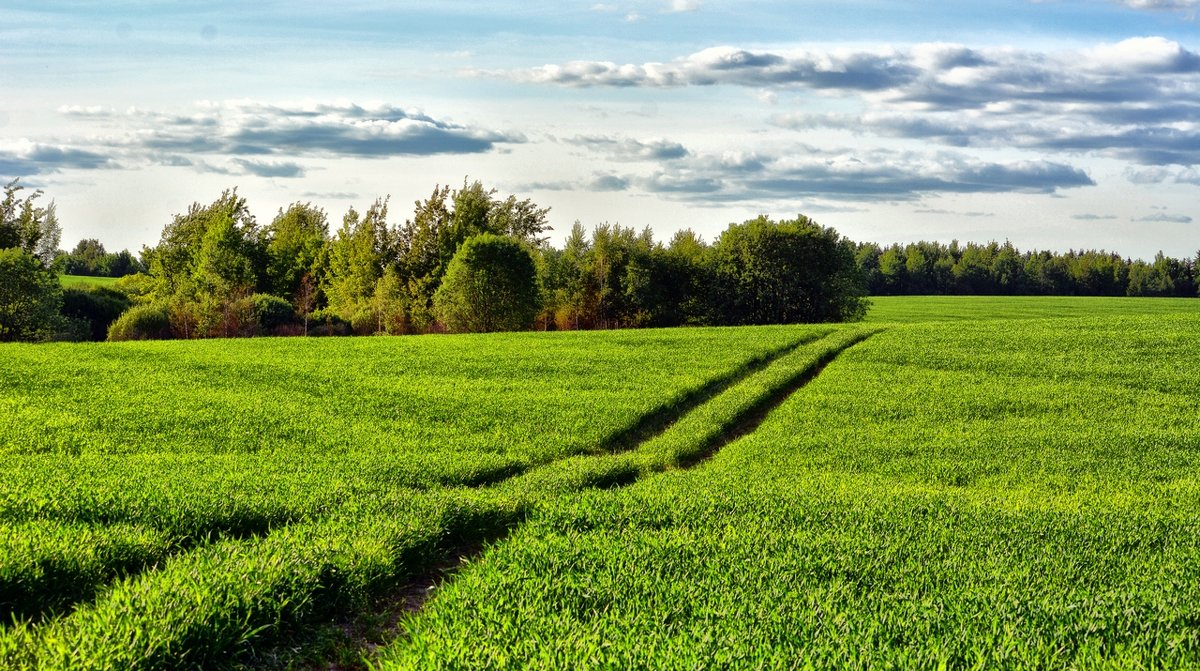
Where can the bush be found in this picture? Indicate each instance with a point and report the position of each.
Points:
(138, 287)
(271, 312)
(96, 307)
(142, 322)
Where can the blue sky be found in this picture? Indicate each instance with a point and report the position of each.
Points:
(1055, 124)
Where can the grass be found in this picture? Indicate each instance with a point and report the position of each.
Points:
(984, 494)
(329, 471)
(915, 309)
(977, 487)
(78, 281)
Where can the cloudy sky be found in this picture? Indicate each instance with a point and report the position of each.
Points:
(1055, 124)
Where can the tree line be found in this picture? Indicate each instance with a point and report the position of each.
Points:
(466, 259)
(1002, 269)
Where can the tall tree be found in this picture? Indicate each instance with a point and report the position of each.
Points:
(358, 255)
(295, 240)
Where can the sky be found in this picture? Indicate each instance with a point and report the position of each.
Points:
(1054, 124)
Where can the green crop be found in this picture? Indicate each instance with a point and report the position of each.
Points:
(166, 544)
(987, 492)
(992, 494)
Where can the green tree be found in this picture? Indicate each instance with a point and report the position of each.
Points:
(786, 272)
(30, 297)
(490, 285)
(23, 224)
(358, 255)
(88, 258)
(295, 240)
(176, 262)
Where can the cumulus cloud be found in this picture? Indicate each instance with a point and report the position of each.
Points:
(802, 172)
(1136, 100)
(628, 149)
(255, 138)
(851, 70)
(26, 157)
(270, 168)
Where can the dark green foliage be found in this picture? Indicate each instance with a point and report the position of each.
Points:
(90, 259)
(490, 285)
(786, 272)
(30, 297)
(142, 322)
(931, 268)
(326, 322)
(98, 307)
(271, 312)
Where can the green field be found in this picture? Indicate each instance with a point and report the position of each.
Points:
(77, 281)
(915, 309)
(957, 483)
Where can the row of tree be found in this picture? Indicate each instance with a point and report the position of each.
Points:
(469, 260)
(216, 272)
(934, 268)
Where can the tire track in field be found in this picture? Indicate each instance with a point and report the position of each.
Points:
(642, 429)
(412, 597)
(460, 539)
(655, 422)
(748, 421)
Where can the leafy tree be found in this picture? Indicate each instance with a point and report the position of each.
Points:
(786, 272)
(23, 224)
(234, 259)
(30, 297)
(88, 258)
(358, 255)
(295, 240)
(490, 285)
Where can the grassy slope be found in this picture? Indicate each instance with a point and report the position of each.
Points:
(983, 494)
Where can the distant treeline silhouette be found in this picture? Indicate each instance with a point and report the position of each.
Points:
(932, 268)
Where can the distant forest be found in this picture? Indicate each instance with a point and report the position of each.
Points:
(469, 260)
(931, 268)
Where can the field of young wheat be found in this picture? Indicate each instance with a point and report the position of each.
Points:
(957, 490)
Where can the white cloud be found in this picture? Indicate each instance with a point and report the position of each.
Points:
(683, 5)
(247, 133)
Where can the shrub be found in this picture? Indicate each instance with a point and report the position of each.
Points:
(142, 322)
(271, 312)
